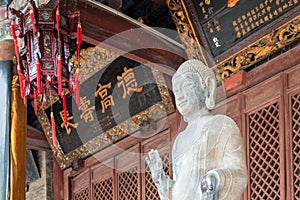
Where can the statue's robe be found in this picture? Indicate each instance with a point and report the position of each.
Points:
(208, 143)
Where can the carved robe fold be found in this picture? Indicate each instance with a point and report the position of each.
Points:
(208, 143)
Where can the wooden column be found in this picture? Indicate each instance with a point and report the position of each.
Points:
(5, 101)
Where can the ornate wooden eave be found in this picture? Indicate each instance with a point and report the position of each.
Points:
(104, 27)
(268, 40)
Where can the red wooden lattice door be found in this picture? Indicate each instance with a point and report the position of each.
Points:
(268, 115)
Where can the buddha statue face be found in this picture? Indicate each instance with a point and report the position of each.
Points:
(194, 87)
(189, 94)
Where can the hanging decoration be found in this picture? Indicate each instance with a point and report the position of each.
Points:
(43, 39)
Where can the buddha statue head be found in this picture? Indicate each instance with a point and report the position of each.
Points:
(194, 86)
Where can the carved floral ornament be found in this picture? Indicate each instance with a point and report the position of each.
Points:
(253, 53)
(259, 50)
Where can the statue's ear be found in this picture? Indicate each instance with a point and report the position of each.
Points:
(211, 90)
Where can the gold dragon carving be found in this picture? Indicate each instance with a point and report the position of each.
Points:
(185, 29)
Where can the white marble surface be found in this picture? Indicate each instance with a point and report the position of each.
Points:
(208, 157)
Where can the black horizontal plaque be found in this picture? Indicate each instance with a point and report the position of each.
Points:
(224, 27)
(113, 95)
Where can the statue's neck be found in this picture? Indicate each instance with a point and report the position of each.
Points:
(197, 115)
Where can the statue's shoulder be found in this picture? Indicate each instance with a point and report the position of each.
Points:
(223, 123)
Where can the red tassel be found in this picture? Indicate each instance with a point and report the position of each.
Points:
(35, 102)
(58, 22)
(77, 88)
(32, 20)
(79, 40)
(21, 79)
(54, 141)
(13, 30)
(65, 108)
(59, 76)
(39, 77)
(79, 32)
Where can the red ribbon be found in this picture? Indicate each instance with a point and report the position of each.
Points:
(77, 87)
(13, 30)
(54, 141)
(39, 77)
(59, 76)
(58, 22)
(79, 40)
(79, 32)
(64, 98)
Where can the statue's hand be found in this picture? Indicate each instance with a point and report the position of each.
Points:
(210, 186)
(155, 164)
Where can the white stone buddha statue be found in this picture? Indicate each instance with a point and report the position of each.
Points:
(208, 157)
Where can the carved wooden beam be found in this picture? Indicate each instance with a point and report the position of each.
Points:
(36, 140)
(104, 26)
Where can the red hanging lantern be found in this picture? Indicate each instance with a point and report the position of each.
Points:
(46, 36)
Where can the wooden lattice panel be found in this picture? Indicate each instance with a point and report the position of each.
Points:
(128, 185)
(296, 143)
(103, 190)
(82, 195)
(264, 153)
(150, 188)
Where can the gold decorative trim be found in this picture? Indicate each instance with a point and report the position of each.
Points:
(253, 53)
(259, 50)
(93, 60)
(185, 29)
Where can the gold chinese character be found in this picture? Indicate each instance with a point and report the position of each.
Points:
(106, 100)
(234, 23)
(68, 124)
(87, 112)
(128, 82)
